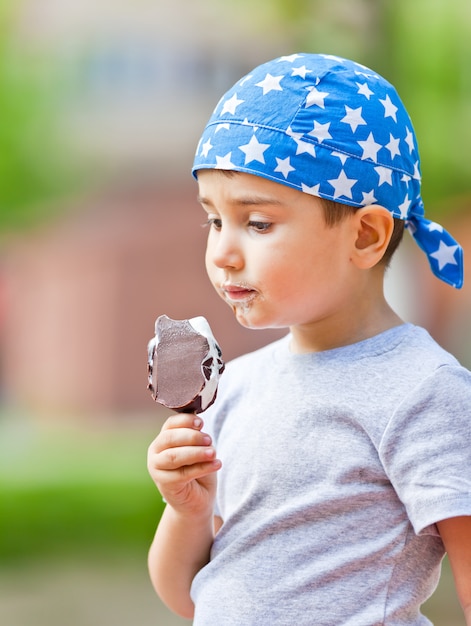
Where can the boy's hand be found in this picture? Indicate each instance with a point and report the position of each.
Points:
(183, 465)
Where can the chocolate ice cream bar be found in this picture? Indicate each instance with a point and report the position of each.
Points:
(184, 364)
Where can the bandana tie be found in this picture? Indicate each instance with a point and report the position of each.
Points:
(445, 255)
(332, 128)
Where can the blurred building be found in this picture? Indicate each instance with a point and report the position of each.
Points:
(139, 79)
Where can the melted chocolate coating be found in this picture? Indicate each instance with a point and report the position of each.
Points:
(184, 364)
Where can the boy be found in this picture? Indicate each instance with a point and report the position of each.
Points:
(343, 460)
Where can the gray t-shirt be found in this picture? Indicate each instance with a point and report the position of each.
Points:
(336, 467)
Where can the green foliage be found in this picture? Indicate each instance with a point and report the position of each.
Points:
(72, 494)
(33, 167)
(53, 521)
(350, 28)
(292, 10)
(429, 60)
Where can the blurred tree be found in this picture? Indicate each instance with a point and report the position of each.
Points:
(428, 59)
(32, 166)
(349, 28)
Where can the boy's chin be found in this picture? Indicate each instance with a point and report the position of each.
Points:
(245, 319)
(250, 321)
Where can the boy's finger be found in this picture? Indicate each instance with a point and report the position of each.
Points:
(183, 420)
(172, 459)
(178, 438)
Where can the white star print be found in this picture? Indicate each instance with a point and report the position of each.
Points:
(332, 56)
(303, 146)
(270, 83)
(409, 140)
(290, 58)
(206, 148)
(219, 127)
(368, 198)
(385, 175)
(393, 146)
(313, 191)
(364, 90)
(445, 255)
(416, 174)
(284, 166)
(254, 150)
(390, 109)
(434, 226)
(321, 131)
(231, 105)
(224, 162)
(342, 185)
(343, 157)
(353, 117)
(316, 97)
(404, 207)
(300, 71)
(367, 74)
(370, 148)
(245, 79)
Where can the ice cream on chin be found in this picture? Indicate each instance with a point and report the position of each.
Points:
(184, 364)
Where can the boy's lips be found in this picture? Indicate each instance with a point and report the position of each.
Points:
(237, 292)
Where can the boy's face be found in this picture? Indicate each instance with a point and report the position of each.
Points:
(270, 255)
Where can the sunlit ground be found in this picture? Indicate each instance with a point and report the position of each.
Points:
(79, 593)
(78, 512)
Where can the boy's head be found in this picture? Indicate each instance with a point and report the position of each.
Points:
(331, 128)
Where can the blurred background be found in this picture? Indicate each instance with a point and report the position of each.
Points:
(101, 106)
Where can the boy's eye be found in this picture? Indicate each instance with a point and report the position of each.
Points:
(260, 227)
(214, 222)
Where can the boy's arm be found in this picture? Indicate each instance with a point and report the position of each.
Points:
(180, 549)
(183, 465)
(456, 536)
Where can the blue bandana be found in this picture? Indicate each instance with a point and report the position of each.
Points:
(332, 128)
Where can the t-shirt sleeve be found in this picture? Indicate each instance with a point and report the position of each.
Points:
(426, 449)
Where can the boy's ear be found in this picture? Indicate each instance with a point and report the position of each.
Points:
(374, 226)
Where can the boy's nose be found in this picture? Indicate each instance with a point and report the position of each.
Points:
(226, 252)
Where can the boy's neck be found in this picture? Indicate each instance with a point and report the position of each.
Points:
(349, 326)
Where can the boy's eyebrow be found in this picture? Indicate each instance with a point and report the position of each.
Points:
(245, 201)
(202, 200)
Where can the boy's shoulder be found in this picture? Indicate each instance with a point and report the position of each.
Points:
(403, 356)
(402, 348)
(418, 344)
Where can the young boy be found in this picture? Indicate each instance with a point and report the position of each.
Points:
(343, 462)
